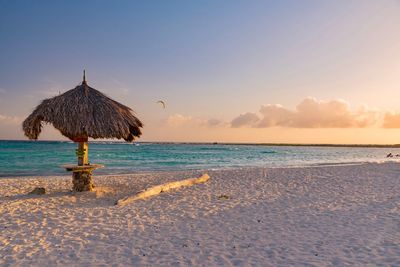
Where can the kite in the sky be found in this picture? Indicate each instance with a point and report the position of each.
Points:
(162, 103)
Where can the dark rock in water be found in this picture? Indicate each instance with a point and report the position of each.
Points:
(38, 191)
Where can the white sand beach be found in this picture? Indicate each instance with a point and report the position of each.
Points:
(314, 216)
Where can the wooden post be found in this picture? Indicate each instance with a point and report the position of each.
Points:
(82, 179)
(83, 153)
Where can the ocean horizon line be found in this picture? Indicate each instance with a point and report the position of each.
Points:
(218, 143)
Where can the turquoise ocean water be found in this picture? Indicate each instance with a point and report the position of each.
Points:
(25, 158)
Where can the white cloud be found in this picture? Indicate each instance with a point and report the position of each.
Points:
(247, 119)
(273, 115)
(178, 120)
(215, 123)
(391, 120)
(310, 113)
(10, 120)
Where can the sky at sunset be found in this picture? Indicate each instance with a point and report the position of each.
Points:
(228, 71)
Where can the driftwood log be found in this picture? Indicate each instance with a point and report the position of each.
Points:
(155, 190)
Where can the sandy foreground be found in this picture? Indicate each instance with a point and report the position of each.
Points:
(317, 216)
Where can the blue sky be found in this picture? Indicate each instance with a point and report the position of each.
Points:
(206, 59)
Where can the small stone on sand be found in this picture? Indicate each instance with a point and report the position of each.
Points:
(38, 191)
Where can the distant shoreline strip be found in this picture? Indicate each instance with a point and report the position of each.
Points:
(223, 143)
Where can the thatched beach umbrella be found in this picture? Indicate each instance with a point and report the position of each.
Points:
(80, 113)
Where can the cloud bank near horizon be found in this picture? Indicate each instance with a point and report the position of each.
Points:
(177, 120)
(391, 120)
(309, 113)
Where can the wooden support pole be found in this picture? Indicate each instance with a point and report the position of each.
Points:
(83, 153)
(82, 179)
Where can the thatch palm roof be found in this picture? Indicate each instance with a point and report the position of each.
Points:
(84, 112)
